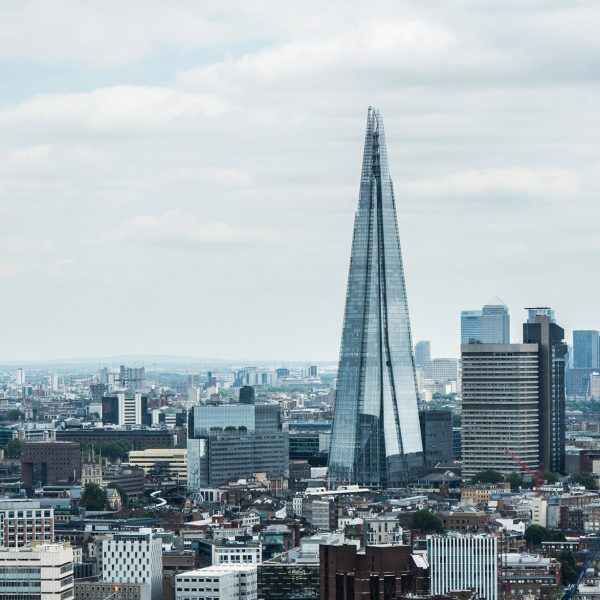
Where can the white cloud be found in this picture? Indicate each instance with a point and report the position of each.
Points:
(176, 228)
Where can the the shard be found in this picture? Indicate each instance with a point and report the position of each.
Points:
(376, 438)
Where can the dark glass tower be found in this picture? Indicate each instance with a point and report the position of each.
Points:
(542, 330)
(376, 437)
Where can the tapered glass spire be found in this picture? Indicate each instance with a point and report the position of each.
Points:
(376, 436)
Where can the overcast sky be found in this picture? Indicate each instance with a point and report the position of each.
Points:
(181, 178)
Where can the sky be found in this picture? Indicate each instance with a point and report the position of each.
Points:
(181, 178)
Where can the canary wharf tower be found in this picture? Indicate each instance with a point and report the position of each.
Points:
(376, 437)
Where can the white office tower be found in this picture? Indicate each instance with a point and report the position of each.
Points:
(229, 582)
(459, 562)
(53, 382)
(20, 376)
(44, 571)
(130, 409)
(134, 557)
(23, 522)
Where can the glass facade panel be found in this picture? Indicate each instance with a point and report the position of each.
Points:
(376, 436)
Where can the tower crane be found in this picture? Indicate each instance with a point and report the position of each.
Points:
(536, 477)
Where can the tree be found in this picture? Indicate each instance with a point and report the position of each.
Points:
(549, 476)
(93, 497)
(13, 449)
(14, 414)
(584, 479)
(515, 480)
(427, 522)
(487, 476)
(121, 492)
(568, 567)
(536, 534)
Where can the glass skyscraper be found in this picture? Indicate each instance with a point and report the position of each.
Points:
(470, 326)
(376, 438)
(585, 349)
(495, 323)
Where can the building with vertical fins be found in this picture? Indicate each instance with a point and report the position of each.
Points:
(376, 437)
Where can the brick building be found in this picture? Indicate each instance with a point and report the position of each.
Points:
(50, 463)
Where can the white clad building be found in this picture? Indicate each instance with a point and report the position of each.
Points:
(23, 522)
(225, 582)
(134, 557)
(43, 571)
(459, 562)
(237, 554)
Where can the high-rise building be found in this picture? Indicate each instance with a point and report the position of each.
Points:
(20, 376)
(132, 378)
(133, 557)
(541, 330)
(437, 434)
(246, 394)
(460, 562)
(495, 322)
(500, 406)
(585, 349)
(376, 438)
(126, 408)
(234, 440)
(442, 369)
(44, 571)
(470, 326)
(422, 353)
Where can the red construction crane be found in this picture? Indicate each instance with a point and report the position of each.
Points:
(537, 477)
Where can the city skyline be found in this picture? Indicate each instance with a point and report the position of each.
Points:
(152, 178)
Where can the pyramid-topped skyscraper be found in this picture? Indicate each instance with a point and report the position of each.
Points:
(376, 437)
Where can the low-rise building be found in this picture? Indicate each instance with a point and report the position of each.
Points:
(23, 522)
(171, 461)
(525, 574)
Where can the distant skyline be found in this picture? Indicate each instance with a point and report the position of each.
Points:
(181, 179)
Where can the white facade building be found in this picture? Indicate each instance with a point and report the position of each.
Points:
(382, 531)
(231, 582)
(173, 459)
(44, 571)
(237, 554)
(539, 512)
(459, 562)
(23, 522)
(134, 557)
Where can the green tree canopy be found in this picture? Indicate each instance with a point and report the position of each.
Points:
(487, 476)
(515, 480)
(536, 534)
(584, 479)
(549, 476)
(13, 448)
(14, 414)
(426, 522)
(93, 497)
(568, 567)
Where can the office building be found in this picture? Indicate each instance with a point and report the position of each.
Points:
(495, 322)
(376, 382)
(234, 553)
(140, 439)
(23, 522)
(552, 349)
(50, 463)
(470, 326)
(232, 441)
(382, 530)
(20, 376)
(125, 408)
(100, 590)
(133, 557)
(585, 349)
(218, 583)
(437, 435)
(441, 369)
(44, 571)
(313, 371)
(529, 575)
(374, 572)
(246, 394)
(168, 461)
(500, 406)
(460, 562)
(422, 353)
(131, 378)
